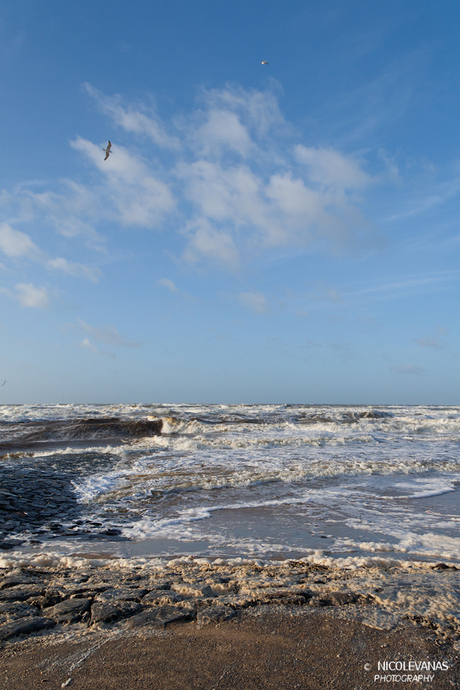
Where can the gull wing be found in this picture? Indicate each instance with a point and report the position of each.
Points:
(107, 150)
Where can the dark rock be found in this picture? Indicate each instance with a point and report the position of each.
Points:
(285, 599)
(122, 594)
(444, 566)
(24, 626)
(8, 545)
(20, 593)
(163, 584)
(104, 612)
(111, 532)
(214, 614)
(48, 598)
(336, 599)
(14, 580)
(160, 597)
(159, 617)
(17, 610)
(82, 594)
(289, 597)
(68, 611)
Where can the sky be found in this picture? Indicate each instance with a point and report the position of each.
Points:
(261, 233)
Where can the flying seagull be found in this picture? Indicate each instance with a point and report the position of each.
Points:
(264, 62)
(3, 384)
(107, 150)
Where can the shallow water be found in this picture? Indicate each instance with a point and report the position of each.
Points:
(249, 480)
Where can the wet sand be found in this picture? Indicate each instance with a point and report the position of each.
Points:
(258, 649)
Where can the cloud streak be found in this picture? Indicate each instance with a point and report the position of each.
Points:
(15, 244)
(28, 295)
(108, 335)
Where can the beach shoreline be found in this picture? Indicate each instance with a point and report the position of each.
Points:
(384, 591)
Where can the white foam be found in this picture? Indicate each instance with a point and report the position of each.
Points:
(382, 473)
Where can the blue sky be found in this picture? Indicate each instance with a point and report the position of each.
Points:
(260, 233)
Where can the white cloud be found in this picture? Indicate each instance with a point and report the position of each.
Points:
(17, 244)
(169, 284)
(88, 345)
(430, 342)
(436, 341)
(172, 287)
(410, 369)
(133, 120)
(331, 169)
(257, 110)
(230, 178)
(267, 200)
(108, 335)
(74, 269)
(130, 194)
(14, 243)
(222, 130)
(256, 301)
(29, 296)
(211, 244)
(235, 208)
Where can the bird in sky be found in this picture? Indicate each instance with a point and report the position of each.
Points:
(3, 384)
(107, 150)
(264, 62)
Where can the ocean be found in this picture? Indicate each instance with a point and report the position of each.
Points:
(226, 481)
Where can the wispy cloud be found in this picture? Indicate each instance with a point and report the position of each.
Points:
(108, 335)
(169, 284)
(172, 287)
(243, 191)
(18, 245)
(131, 194)
(407, 369)
(138, 120)
(230, 178)
(28, 295)
(331, 169)
(255, 301)
(15, 243)
(429, 342)
(434, 341)
(409, 285)
(88, 345)
(74, 269)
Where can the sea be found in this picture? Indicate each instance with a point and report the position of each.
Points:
(251, 481)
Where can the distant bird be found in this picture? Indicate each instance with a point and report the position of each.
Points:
(107, 150)
(264, 62)
(3, 384)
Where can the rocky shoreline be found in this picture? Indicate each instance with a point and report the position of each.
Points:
(37, 505)
(93, 596)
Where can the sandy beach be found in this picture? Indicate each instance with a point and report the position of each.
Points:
(195, 623)
(259, 649)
